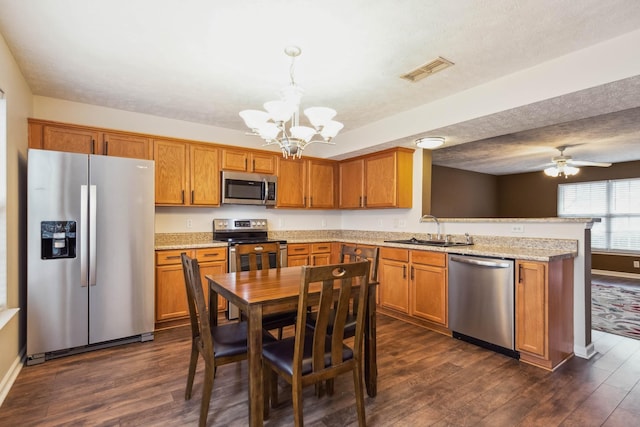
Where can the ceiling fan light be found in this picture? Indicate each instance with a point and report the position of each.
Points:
(429, 142)
(552, 171)
(570, 170)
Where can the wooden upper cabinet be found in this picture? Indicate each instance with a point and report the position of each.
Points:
(321, 184)
(380, 180)
(389, 179)
(248, 161)
(123, 145)
(171, 159)
(306, 183)
(47, 135)
(205, 175)
(351, 183)
(71, 139)
(291, 183)
(186, 174)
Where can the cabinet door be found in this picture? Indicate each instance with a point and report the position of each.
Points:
(297, 260)
(205, 176)
(531, 308)
(71, 140)
(263, 163)
(171, 293)
(291, 183)
(215, 267)
(122, 145)
(321, 184)
(351, 184)
(171, 171)
(429, 293)
(235, 160)
(381, 181)
(321, 259)
(394, 285)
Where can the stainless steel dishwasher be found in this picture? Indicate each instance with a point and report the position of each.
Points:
(481, 301)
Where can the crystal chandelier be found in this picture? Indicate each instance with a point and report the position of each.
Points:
(280, 123)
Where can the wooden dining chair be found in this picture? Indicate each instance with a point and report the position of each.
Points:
(217, 344)
(352, 253)
(260, 257)
(313, 356)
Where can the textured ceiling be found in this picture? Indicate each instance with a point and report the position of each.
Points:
(204, 60)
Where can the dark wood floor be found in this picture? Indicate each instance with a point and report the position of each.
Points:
(425, 379)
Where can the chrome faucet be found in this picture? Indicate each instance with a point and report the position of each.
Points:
(424, 217)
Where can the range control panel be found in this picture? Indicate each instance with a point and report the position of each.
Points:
(234, 224)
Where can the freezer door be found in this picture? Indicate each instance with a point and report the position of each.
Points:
(121, 285)
(57, 297)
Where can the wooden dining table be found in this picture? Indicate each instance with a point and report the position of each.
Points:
(260, 292)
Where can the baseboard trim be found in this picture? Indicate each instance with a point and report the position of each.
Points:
(616, 274)
(584, 352)
(10, 376)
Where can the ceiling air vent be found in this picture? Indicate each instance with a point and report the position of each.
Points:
(428, 69)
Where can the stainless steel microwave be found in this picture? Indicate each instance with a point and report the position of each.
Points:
(241, 188)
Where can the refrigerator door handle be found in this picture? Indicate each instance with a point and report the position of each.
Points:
(84, 205)
(92, 235)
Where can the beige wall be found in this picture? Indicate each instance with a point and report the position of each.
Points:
(19, 107)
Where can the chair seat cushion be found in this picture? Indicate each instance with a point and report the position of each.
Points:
(279, 320)
(280, 353)
(349, 325)
(230, 339)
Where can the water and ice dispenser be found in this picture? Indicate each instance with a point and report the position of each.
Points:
(58, 239)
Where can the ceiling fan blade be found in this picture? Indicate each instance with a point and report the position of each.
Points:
(588, 163)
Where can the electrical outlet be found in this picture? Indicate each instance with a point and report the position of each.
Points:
(189, 223)
(636, 264)
(402, 223)
(517, 228)
(324, 223)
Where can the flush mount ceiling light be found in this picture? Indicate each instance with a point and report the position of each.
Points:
(280, 123)
(429, 142)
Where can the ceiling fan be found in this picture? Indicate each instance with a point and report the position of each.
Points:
(565, 165)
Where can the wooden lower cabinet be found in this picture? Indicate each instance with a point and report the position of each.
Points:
(309, 254)
(544, 312)
(413, 287)
(429, 286)
(171, 296)
(320, 253)
(394, 279)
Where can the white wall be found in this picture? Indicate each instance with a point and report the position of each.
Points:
(19, 107)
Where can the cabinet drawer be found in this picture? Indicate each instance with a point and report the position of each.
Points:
(395, 254)
(320, 248)
(298, 248)
(171, 257)
(438, 259)
(211, 254)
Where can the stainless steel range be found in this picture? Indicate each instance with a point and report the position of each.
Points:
(244, 232)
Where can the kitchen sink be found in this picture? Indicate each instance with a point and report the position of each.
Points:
(441, 243)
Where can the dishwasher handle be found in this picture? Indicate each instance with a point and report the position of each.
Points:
(482, 262)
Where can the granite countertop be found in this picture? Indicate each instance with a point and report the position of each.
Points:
(530, 249)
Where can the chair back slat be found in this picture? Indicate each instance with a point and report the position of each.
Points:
(259, 251)
(346, 280)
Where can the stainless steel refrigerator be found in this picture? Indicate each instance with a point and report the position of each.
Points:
(90, 243)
